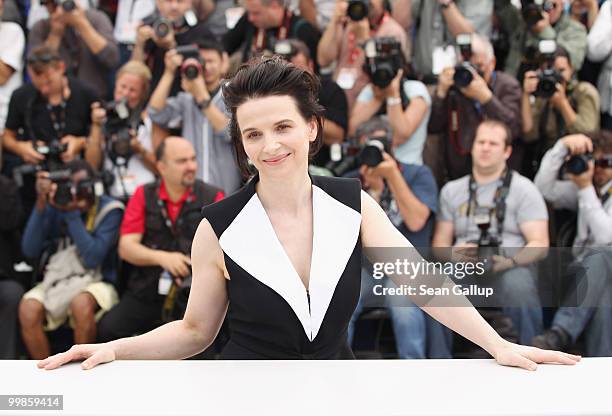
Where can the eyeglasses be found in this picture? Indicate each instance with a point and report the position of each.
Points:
(42, 58)
(603, 162)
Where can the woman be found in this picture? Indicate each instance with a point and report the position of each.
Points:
(249, 248)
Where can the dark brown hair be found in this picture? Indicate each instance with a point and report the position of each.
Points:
(272, 76)
(602, 141)
(43, 57)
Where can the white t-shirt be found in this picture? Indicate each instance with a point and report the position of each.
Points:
(129, 15)
(12, 43)
(411, 151)
(136, 173)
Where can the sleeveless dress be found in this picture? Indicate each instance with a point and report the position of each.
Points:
(271, 315)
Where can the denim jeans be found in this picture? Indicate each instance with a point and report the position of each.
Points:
(408, 321)
(594, 288)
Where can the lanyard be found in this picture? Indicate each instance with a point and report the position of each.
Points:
(259, 42)
(501, 193)
(164, 213)
(58, 123)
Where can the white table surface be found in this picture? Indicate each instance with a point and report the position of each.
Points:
(346, 388)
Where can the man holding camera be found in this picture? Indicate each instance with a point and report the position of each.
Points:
(587, 189)
(546, 20)
(156, 234)
(497, 209)
(264, 23)
(408, 194)
(84, 39)
(82, 225)
(554, 104)
(120, 139)
(353, 23)
(173, 24)
(406, 102)
(199, 110)
(48, 120)
(467, 94)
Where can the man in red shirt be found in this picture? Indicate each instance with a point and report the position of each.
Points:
(156, 234)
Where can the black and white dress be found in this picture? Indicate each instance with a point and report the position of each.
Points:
(271, 315)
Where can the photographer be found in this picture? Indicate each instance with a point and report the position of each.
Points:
(546, 21)
(156, 235)
(50, 115)
(586, 188)
(406, 102)
(331, 97)
(600, 50)
(11, 290)
(556, 105)
(408, 194)
(84, 40)
(265, 22)
(120, 139)
(199, 109)
(467, 94)
(354, 23)
(173, 24)
(11, 62)
(496, 208)
(78, 225)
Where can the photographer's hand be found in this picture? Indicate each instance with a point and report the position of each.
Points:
(393, 89)
(372, 183)
(176, 263)
(578, 144)
(478, 90)
(29, 154)
(57, 28)
(542, 23)
(445, 82)
(75, 145)
(167, 42)
(195, 87)
(559, 98)
(360, 29)
(43, 188)
(172, 61)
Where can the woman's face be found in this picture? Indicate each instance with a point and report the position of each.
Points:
(275, 136)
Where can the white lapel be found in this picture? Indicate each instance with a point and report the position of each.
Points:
(250, 241)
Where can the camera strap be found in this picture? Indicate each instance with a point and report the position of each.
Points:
(454, 128)
(501, 193)
(58, 122)
(259, 42)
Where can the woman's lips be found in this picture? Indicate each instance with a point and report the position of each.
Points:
(277, 159)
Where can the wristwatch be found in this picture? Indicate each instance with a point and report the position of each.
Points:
(204, 104)
(445, 3)
(393, 101)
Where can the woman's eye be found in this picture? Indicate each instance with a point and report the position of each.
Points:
(283, 127)
(252, 135)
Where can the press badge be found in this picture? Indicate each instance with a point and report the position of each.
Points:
(347, 78)
(443, 57)
(165, 281)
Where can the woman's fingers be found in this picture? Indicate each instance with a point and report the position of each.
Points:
(99, 357)
(518, 360)
(77, 352)
(546, 356)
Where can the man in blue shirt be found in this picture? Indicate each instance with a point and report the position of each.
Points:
(70, 207)
(408, 193)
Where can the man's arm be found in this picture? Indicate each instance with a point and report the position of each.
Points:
(330, 43)
(455, 21)
(6, 72)
(308, 10)
(562, 194)
(506, 107)
(96, 31)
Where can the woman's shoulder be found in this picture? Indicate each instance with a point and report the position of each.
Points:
(221, 213)
(345, 190)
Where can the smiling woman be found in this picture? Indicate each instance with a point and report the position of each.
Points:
(285, 251)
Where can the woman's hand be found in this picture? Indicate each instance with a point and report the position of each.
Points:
(93, 354)
(515, 355)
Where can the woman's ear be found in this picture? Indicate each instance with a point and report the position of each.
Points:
(314, 129)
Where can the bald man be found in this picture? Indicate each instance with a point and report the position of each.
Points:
(490, 95)
(156, 234)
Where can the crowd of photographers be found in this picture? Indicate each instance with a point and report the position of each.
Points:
(114, 134)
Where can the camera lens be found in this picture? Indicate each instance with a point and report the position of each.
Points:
(577, 164)
(463, 76)
(63, 194)
(357, 10)
(191, 71)
(162, 28)
(68, 5)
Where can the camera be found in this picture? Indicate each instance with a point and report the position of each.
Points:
(357, 9)
(464, 71)
(482, 218)
(118, 130)
(532, 10)
(383, 60)
(548, 77)
(354, 155)
(53, 155)
(577, 164)
(193, 65)
(161, 26)
(84, 189)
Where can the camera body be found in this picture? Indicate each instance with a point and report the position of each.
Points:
(531, 10)
(193, 65)
(464, 71)
(548, 77)
(577, 164)
(84, 189)
(118, 129)
(66, 5)
(354, 155)
(163, 26)
(53, 155)
(358, 9)
(383, 60)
